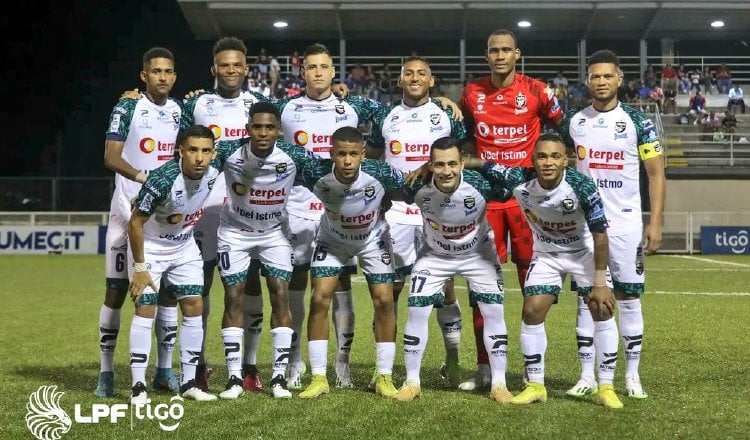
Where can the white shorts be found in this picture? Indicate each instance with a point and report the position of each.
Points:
(548, 270)
(405, 239)
(332, 257)
(302, 238)
(116, 250)
(481, 269)
(236, 247)
(626, 263)
(208, 225)
(182, 274)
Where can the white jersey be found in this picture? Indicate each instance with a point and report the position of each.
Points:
(175, 203)
(258, 187)
(609, 146)
(406, 135)
(310, 124)
(455, 223)
(149, 132)
(560, 218)
(226, 117)
(352, 210)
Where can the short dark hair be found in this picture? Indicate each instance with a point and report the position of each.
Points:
(604, 57)
(195, 131)
(445, 143)
(264, 107)
(157, 52)
(505, 32)
(416, 58)
(550, 137)
(229, 43)
(347, 134)
(316, 49)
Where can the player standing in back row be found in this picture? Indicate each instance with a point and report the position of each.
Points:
(504, 113)
(610, 140)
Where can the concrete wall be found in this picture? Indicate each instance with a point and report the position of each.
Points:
(707, 195)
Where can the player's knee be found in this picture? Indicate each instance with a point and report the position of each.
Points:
(191, 306)
(533, 314)
(115, 298)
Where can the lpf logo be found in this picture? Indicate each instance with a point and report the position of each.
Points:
(46, 419)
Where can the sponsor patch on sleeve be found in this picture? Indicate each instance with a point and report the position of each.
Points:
(649, 150)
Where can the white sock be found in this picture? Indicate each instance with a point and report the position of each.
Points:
(343, 323)
(140, 347)
(232, 338)
(281, 339)
(385, 354)
(416, 333)
(585, 339)
(495, 340)
(631, 329)
(253, 325)
(191, 336)
(109, 327)
(606, 342)
(297, 308)
(166, 335)
(318, 356)
(534, 346)
(204, 318)
(449, 319)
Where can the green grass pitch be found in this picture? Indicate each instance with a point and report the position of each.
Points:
(694, 365)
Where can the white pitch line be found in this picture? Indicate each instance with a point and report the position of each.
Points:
(708, 260)
(361, 280)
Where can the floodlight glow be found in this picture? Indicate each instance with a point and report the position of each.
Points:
(280, 24)
(524, 24)
(717, 24)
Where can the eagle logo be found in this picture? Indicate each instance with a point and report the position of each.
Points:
(44, 417)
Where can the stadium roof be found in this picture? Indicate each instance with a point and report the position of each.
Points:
(446, 19)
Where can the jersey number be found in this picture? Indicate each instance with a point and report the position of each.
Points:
(417, 284)
(120, 262)
(321, 252)
(223, 260)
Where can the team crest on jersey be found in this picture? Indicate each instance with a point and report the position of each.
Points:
(520, 100)
(568, 204)
(620, 126)
(281, 168)
(176, 117)
(435, 119)
(426, 205)
(339, 109)
(385, 257)
(247, 103)
(211, 184)
(369, 191)
(178, 201)
(469, 202)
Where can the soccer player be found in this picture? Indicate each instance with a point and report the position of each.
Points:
(254, 224)
(504, 113)
(225, 110)
(351, 226)
(141, 137)
(566, 215)
(309, 120)
(458, 241)
(610, 139)
(402, 135)
(160, 231)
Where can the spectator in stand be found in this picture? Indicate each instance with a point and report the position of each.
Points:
(359, 75)
(669, 77)
(293, 90)
(736, 97)
(683, 79)
(709, 80)
(578, 96)
(670, 101)
(657, 96)
(631, 92)
(373, 91)
(644, 94)
(561, 91)
(274, 74)
(560, 80)
(729, 122)
(695, 80)
(349, 81)
(723, 79)
(649, 76)
(697, 107)
(710, 124)
(261, 63)
(295, 62)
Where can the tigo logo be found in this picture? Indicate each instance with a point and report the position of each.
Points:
(395, 147)
(301, 138)
(147, 145)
